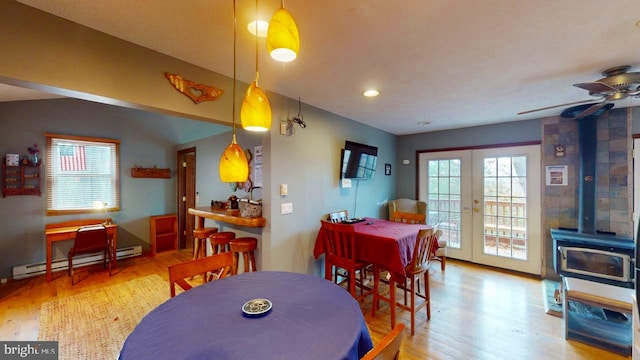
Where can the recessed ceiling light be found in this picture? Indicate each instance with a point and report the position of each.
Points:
(424, 123)
(263, 28)
(371, 93)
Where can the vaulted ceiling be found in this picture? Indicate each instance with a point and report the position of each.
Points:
(447, 63)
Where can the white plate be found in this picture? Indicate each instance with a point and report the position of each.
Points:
(257, 307)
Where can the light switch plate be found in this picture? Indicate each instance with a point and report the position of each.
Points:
(286, 208)
(283, 189)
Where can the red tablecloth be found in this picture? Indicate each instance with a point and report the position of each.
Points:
(381, 242)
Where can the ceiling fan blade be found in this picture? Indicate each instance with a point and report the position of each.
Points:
(591, 110)
(597, 87)
(555, 106)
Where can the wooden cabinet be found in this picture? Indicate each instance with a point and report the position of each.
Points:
(20, 180)
(164, 233)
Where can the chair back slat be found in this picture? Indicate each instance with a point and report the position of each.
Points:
(340, 243)
(220, 264)
(389, 346)
(420, 260)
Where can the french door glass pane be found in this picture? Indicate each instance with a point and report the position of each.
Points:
(444, 200)
(505, 200)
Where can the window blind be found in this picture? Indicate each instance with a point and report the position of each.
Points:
(80, 172)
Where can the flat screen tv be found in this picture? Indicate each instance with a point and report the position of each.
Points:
(358, 161)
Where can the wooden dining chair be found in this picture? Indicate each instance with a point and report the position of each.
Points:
(91, 239)
(408, 218)
(338, 216)
(389, 346)
(417, 267)
(218, 265)
(340, 253)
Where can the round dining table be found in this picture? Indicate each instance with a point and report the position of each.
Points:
(310, 318)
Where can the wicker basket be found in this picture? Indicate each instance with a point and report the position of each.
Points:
(250, 208)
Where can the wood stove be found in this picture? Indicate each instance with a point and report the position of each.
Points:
(603, 258)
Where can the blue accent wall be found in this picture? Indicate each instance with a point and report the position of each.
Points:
(146, 140)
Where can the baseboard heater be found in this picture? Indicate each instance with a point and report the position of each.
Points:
(29, 270)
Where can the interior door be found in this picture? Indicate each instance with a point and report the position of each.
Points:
(186, 196)
(487, 202)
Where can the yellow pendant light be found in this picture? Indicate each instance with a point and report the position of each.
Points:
(233, 162)
(283, 40)
(255, 113)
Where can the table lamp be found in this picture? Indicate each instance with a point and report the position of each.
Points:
(101, 205)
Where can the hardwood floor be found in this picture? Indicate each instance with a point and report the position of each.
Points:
(476, 313)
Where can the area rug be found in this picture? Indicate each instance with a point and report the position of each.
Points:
(94, 324)
(548, 289)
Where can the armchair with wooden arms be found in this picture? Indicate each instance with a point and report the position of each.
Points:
(439, 249)
(407, 206)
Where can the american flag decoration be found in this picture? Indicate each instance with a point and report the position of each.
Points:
(72, 158)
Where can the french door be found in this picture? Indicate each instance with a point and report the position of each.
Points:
(487, 203)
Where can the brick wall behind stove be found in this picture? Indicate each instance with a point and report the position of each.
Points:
(613, 190)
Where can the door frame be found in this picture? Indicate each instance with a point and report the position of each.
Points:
(186, 186)
(466, 208)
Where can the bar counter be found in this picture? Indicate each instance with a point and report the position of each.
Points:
(224, 215)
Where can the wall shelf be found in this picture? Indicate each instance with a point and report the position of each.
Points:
(20, 180)
(140, 172)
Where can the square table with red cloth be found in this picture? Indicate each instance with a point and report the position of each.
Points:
(382, 242)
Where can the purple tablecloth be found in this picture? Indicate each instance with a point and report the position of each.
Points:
(311, 318)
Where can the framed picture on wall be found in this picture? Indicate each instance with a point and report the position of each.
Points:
(387, 169)
(556, 175)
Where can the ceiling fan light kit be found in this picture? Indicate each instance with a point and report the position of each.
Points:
(618, 83)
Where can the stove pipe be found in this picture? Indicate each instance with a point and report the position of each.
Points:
(588, 139)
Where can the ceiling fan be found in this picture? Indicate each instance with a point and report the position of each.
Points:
(617, 84)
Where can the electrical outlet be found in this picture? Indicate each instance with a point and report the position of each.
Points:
(3, 281)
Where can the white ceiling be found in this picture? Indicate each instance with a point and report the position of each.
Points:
(453, 63)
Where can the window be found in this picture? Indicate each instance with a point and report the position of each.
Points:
(81, 171)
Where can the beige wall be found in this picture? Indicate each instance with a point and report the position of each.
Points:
(42, 51)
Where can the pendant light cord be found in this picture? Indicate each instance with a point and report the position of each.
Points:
(233, 111)
(257, 43)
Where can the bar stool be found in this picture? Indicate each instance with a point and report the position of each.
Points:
(220, 241)
(200, 241)
(246, 246)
